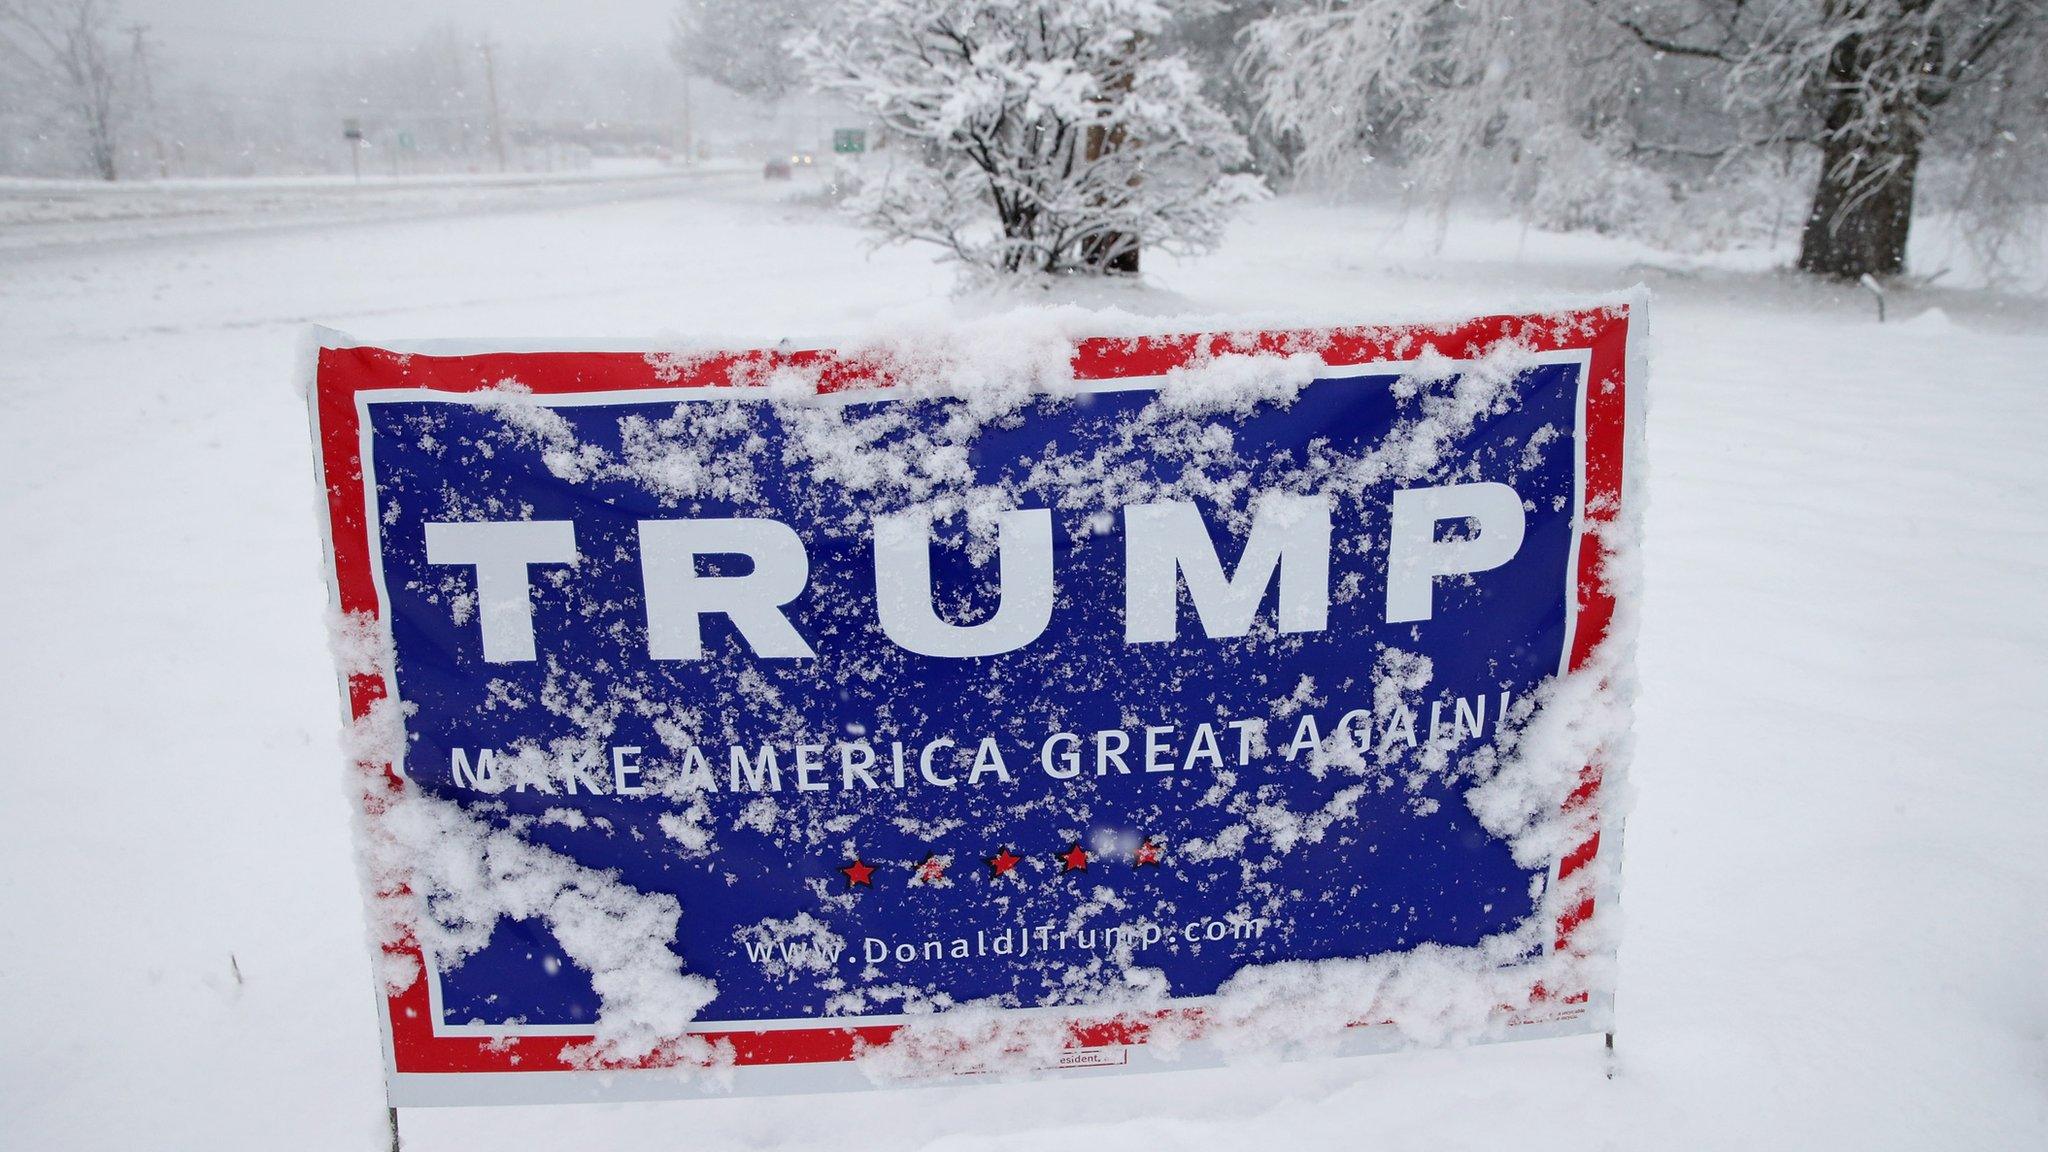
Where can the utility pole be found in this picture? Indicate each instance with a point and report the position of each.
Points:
(491, 87)
(140, 54)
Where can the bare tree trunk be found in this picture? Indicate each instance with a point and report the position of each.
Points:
(1862, 209)
(1113, 252)
(99, 135)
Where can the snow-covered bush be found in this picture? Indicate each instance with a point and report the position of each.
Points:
(1567, 182)
(1031, 136)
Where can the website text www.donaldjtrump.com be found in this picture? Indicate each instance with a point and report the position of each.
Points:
(1005, 942)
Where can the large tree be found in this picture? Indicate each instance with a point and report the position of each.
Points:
(1031, 136)
(1862, 81)
(1866, 86)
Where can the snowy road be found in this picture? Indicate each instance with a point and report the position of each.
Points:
(1835, 864)
(38, 216)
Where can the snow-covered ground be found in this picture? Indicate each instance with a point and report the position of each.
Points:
(1836, 929)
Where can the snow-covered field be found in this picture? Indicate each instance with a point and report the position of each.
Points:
(1836, 890)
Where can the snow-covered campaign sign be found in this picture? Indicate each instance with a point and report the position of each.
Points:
(1031, 694)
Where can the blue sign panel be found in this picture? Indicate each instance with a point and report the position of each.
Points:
(688, 640)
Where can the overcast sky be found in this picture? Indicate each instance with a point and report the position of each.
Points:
(296, 29)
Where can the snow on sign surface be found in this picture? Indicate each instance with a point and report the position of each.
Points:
(1038, 695)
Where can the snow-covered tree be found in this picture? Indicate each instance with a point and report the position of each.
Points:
(743, 44)
(1866, 86)
(1209, 33)
(68, 48)
(1458, 90)
(1031, 136)
(1862, 81)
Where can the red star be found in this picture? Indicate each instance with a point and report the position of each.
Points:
(1001, 863)
(1075, 859)
(1148, 853)
(932, 870)
(859, 874)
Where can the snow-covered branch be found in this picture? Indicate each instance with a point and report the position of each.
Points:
(1571, 100)
(1031, 138)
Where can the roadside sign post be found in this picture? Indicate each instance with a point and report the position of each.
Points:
(352, 131)
(794, 694)
(849, 141)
